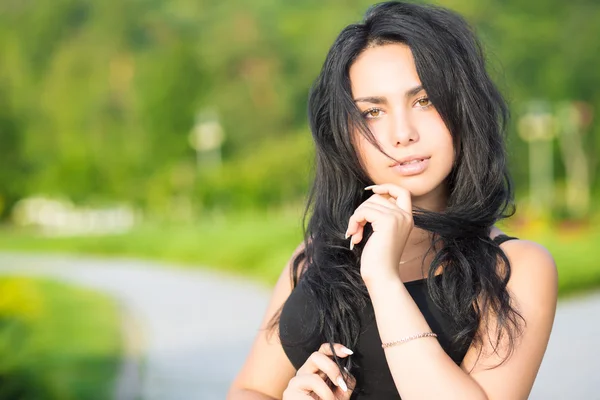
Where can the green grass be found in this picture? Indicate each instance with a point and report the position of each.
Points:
(577, 256)
(258, 245)
(69, 349)
(252, 244)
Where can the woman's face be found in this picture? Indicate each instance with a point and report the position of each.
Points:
(387, 90)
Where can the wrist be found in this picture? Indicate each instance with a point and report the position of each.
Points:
(383, 286)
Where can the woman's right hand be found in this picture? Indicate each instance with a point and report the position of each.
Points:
(320, 378)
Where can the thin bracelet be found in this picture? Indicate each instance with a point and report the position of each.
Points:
(406, 339)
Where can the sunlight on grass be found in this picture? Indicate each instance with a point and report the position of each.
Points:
(259, 244)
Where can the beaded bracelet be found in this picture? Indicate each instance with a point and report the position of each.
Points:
(406, 339)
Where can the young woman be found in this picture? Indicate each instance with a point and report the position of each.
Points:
(403, 286)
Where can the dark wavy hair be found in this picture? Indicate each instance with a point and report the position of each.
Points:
(451, 65)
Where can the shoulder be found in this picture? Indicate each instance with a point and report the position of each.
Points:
(530, 262)
(267, 369)
(300, 251)
(285, 282)
(533, 289)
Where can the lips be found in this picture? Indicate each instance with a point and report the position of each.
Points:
(411, 165)
(410, 160)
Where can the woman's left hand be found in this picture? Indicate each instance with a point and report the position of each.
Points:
(389, 211)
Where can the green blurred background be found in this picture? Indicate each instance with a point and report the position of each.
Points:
(176, 130)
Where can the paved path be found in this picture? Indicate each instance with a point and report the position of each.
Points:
(196, 327)
(571, 366)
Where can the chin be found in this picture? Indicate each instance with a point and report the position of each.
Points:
(417, 186)
(419, 189)
(419, 192)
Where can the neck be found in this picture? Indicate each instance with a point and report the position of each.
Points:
(435, 200)
(418, 239)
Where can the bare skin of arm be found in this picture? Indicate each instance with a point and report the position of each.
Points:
(533, 289)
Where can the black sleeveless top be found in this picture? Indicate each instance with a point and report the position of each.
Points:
(373, 379)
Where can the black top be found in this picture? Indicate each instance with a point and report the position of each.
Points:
(373, 379)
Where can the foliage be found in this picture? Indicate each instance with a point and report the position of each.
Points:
(97, 99)
(20, 304)
(273, 174)
(56, 342)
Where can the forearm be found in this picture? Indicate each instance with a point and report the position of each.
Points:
(420, 368)
(247, 394)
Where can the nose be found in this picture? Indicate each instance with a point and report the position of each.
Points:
(404, 132)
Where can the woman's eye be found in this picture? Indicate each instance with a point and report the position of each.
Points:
(373, 113)
(424, 102)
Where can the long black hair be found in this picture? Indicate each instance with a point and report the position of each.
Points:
(451, 65)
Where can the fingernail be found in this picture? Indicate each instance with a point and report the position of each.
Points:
(351, 244)
(347, 235)
(346, 369)
(370, 187)
(342, 384)
(347, 350)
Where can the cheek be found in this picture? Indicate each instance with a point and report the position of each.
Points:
(361, 147)
(447, 152)
(369, 156)
(366, 156)
(441, 136)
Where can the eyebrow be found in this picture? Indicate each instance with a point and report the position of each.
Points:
(383, 100)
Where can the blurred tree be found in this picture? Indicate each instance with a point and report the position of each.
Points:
(12, 164)
(98, 98)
